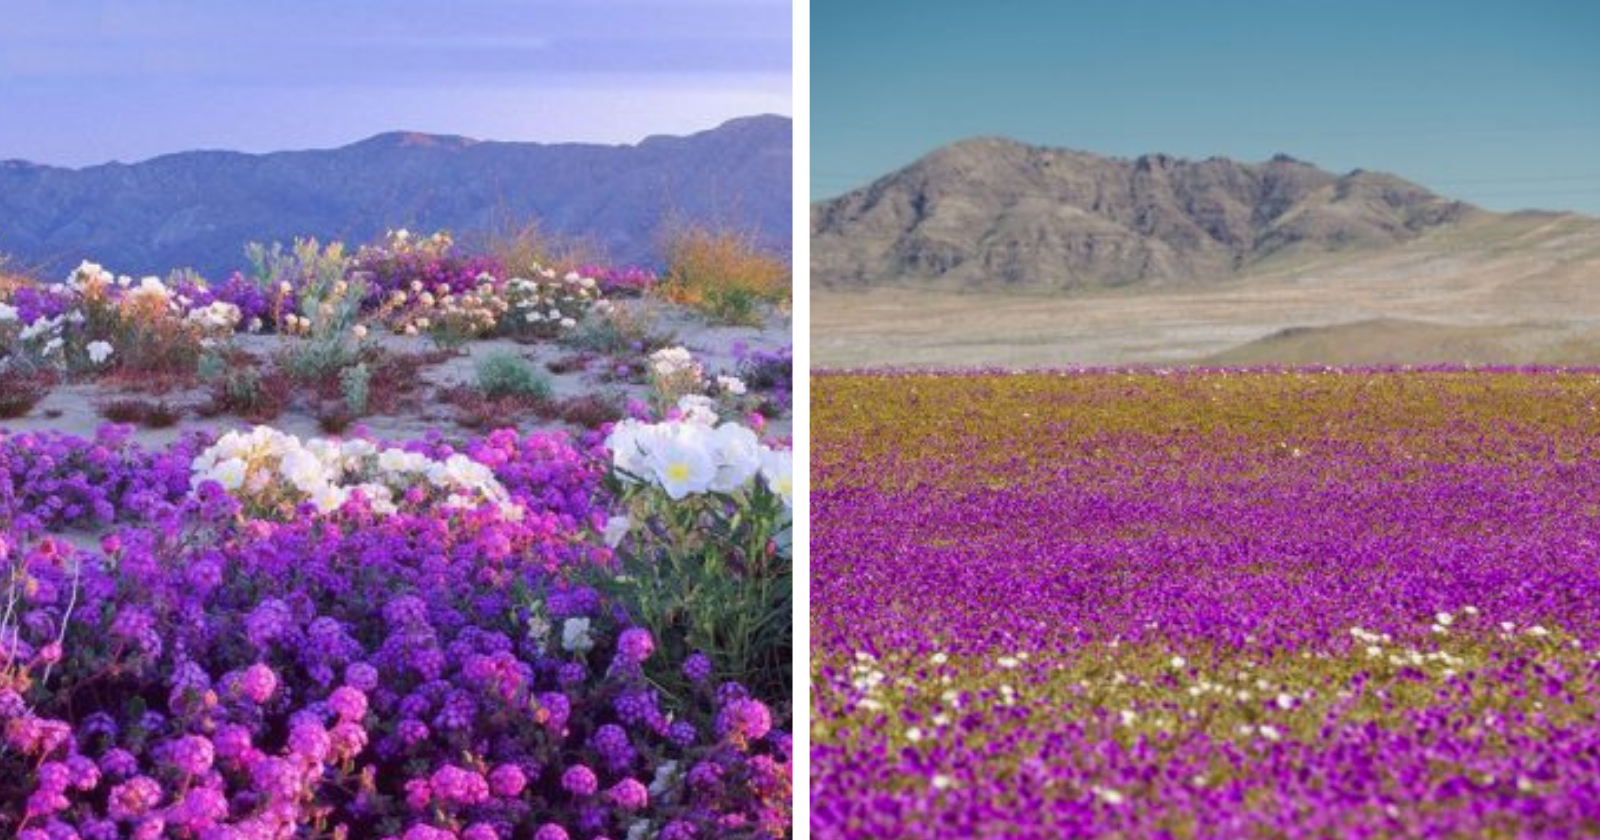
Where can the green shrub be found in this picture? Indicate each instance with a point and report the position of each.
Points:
(355, 385)
(510, 375)
(714, 574)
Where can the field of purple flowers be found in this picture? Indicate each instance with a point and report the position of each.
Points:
(1308, 604)
(212, 668)
(243, 632)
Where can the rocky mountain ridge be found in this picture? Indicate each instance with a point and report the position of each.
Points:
(992, 213)
(198, 209)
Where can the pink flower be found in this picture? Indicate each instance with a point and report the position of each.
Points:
(133, 798)
(258, 683)
(507, 780)
(629, 795)
(348, 703)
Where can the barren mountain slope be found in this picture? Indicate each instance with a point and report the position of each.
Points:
(999, 215)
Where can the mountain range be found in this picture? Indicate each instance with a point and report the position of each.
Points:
(998, 214)
(198, 209)
(994, 252)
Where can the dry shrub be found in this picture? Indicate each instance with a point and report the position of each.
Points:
(575, 363)
(478, 411)
(395, 379)
(520, 247)
(334, 418)
(19, 393)
(250, 394)
(153, 415)
(10, 283)
(588, 411)
(724, 274)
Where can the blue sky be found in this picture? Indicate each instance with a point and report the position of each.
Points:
(1494, 102)
(87, 82)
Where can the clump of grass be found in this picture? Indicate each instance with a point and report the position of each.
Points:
(509, 375)
(151, 415)
(724, 275)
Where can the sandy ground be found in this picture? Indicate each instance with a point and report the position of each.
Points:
(1515, 289)
(74, 408)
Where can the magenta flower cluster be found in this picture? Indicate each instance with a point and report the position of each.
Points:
(50, 480)
(446, 271)
(200, 674)
(625, 281)
(1297, 604)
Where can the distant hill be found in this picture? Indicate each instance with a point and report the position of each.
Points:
(995, 214)
(198, 209)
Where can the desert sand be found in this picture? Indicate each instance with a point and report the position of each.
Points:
(1516, 289)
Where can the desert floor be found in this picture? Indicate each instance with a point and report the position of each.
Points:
(1523, 289)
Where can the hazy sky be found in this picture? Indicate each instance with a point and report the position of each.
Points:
(87, 82)
(1494, 102)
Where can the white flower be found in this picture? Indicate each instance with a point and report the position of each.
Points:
(303, 470)
(218, 316)
(616, 528)
(942, 781)
(99, 351)
(151, 286)
(1109, 796)
(401, 462)
(732, 384)
(230, 474)
(575, 635)
(329, 498)
(698, 409)
(777, 468)
(626, 442)
(52, 346)
(7, 313)
(671, 361)
(738, 454)
(681, 468)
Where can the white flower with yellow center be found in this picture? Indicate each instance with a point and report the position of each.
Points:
(681, 468)
(230, 473)
(777, 468)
